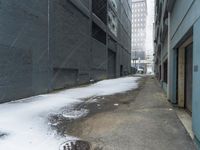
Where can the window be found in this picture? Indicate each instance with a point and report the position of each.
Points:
(99, 8)
(98, 33)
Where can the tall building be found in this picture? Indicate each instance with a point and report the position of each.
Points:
(139, 18)
(52, 44)
(176, 38)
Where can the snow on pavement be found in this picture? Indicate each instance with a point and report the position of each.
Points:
(24, 123)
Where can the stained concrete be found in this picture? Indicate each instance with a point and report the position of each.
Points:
(47, 45)
(143, 119)
(186, 119)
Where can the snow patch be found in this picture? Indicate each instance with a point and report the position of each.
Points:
(26, 123)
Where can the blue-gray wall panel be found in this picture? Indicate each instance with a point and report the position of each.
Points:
(186, 23)
(99, 60)
(43, 49)
(196, 81)
(180, 10)
(23, 29)
(72, 40)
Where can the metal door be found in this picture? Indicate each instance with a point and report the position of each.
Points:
(111, 64)
(121, 70)
(188, 76)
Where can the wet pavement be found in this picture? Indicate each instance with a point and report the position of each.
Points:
(140, 119)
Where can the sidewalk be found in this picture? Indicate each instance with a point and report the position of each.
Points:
(142, 120)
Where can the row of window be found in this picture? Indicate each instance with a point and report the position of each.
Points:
(138, 4)
(139, 19)
(139, 10)
(138, 40)
(139, 30)
(141, 25)
(138, 45)
(138, 34)
(138, 15)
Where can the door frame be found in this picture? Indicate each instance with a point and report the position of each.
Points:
(181, 72)
(185, 102)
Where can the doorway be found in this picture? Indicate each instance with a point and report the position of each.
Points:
(111, 64)
(121, 70)
(188, 76)
(185, 73)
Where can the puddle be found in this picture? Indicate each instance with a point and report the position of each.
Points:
(125, 103)
(75, 145)
(3, 135)
(75, 114)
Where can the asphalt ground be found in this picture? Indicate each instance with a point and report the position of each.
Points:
(140, 119)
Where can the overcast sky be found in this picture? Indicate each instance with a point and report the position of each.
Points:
(150, 21)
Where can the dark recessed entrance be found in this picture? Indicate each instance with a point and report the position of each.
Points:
(121, 70)
(111, 64)
(188, 76)
(185, 73)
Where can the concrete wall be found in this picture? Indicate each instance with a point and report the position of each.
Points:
(196, 81)
(188, 12)
(173, 67)
(161, 41)
(178, 15)
(184, 15)
(44, 49)
(71, 38)
(184, 28)
(164, 56)
(184, 23)
(23, 48)
(124, 37)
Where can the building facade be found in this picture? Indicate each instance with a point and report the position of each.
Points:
(139, 18)
(177, 34)
(53, 44)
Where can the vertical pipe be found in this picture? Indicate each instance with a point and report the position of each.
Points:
(107, 37)
(48, 46)
(169, 87)
(91, 74)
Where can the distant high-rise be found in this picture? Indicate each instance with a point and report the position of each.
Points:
(139, 17)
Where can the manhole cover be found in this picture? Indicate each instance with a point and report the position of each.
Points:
(75, 145)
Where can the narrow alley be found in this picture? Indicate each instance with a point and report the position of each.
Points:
(140, 119)
(99, 75)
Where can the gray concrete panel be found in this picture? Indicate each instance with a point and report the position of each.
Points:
(47, 45)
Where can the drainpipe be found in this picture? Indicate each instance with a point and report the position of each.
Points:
(169, 87)
(48, 42)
